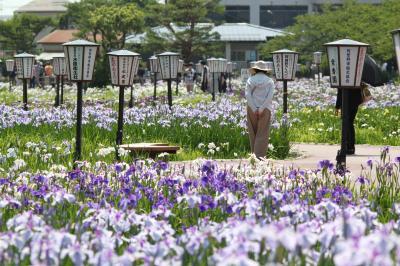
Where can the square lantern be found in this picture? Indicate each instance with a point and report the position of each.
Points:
(168, 63)
(222, 64)
(213, 64)
(59, 66)
(24, 63)
(317, 58)
(396, 42)
(80, 58)
(346, 62)
(229, 67)
(180, 66)
(10, 65)
(285, 63)
(154, 67)
(122, 67)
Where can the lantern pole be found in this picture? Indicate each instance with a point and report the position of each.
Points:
(285, 97)
(169, 93)
(57, 103)
(25, 94)
(318, 70)
(120, 115)
(341, 155)
(155, 86)
(62, 89)
(78, 143)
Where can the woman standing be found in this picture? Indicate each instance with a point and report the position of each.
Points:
(259, 92)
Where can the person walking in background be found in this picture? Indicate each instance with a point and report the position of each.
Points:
(259, 92)
(222, 83)
(204, 78)
(355, 99)
(189, 77)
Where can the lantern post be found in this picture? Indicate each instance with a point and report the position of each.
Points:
(346, 62)
(169, 63)
(285, 63)
(10, 68)
(317, 62)
(213, 68)
(80, 58)
(24, 63)
(60, 70)
(122, 69)
(396, 43)
(154, 68)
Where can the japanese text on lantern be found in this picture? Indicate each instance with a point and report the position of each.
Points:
(74, 64)
(348, 63)
(89, 63)
(333, 65)
(278, 65)
(286, 66)
(113, 63)
(360, 64)
(18, 63)
(123, 70)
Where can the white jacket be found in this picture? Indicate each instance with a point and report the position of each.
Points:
(259, 92)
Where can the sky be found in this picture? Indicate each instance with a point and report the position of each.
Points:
(7, 7)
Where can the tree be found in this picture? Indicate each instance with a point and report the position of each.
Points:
(107, 22)
(19, 32)
(188, 25)
(362, 22)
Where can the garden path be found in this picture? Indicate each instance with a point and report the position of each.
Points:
(311, 154)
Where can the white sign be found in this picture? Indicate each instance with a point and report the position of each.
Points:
(90, 57)
(19, 68)
(348, 59)
(75, 54)
(169, 66)
(134, 69)
(113, 60)
(360, 65)
(24, 67)
(277, 58)
(333, 65)
(396, 38)
(10, 65)
(244, 74)
(59, 66)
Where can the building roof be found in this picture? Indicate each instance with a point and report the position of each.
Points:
(239, 32)
(228, 32)
(43, 6)
(59, 36)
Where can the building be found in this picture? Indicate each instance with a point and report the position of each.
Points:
(274, 13)
(47, 8)
(51, 44)
(241, 40)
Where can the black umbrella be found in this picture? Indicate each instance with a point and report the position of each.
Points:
(372, 74)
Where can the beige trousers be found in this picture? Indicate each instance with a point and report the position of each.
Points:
(258, 127)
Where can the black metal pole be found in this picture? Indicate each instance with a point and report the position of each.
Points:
(120, 117)
(341, 156)
(78, 137)
(57, 103)
(177, 84)
(230, 84)
(25, 94)
(213, 87)
(131, 99)
(318, 74)
(155, 86)
(169, 93)
(62, 89)
(285, 96)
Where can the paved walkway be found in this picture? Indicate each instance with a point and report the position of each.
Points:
(311, 154)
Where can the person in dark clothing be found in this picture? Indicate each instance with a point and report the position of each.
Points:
(355, 99)
(222, 83)
(204, 78)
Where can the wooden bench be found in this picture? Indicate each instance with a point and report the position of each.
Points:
(153, 149)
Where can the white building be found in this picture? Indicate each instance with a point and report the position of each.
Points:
(274, 13)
